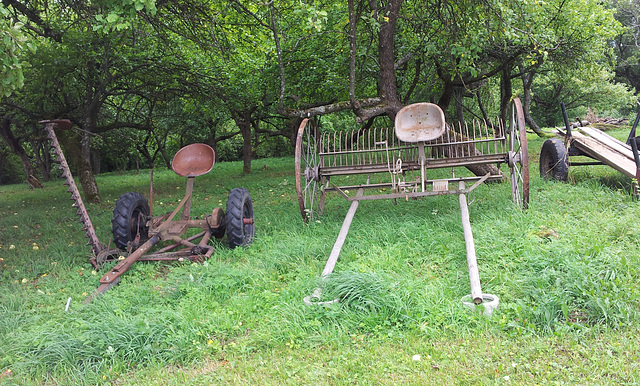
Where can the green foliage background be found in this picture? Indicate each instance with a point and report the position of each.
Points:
(147, 76)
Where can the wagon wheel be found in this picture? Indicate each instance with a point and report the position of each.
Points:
(307, 167)
(518, 155)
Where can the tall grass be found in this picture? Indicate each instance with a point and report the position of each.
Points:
(565, 269)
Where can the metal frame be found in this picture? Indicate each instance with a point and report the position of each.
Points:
(188, 162)
(321, 157)
(165, 228)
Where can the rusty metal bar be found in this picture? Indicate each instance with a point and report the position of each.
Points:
(96, 246)
(172, 246)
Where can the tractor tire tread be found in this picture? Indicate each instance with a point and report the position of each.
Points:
(554, 160)
(121, 221)
(238, 201)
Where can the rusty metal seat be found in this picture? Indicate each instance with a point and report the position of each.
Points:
(193, 160)
(420, 122)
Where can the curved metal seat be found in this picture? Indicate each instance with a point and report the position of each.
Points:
(420, 122)
(193, 160)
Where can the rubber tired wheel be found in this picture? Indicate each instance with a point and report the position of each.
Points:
(554, 161)
(239, 218)
(130, 219)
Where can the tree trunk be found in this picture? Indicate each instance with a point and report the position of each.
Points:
(459, 95)
(505, 92)
(78, 153)
(527, 81)
(447, 94)
(16, 147)
(256, 138)
(243, 121)
(293, 124)
(87, 178)
(481, 107)
(390, 102)
(388, 86)
(43, 158)
(245, 130)
(81, 142)
(96, 161)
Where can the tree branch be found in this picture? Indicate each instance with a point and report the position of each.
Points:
(33, 16)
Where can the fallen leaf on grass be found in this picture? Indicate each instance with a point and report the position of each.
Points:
(547, 233)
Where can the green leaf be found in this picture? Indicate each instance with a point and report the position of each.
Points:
(112, 17)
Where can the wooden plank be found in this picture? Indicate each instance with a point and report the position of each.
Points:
(601, 152)
(608, 140)
(604, 148)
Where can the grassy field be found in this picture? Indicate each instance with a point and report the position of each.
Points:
(566, 272)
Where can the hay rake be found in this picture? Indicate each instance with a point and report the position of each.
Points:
(420, 142)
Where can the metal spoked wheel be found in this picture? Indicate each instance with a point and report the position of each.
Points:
(518, 155)
(308, 179)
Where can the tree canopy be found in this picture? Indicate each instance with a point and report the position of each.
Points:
(141, 78)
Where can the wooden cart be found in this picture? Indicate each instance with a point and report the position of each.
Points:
(588, 142)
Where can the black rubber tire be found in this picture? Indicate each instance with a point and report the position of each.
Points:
(239, 207)
(554, 160)
(130, 217)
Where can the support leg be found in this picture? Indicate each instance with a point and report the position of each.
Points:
(337, 247)
(474, 276)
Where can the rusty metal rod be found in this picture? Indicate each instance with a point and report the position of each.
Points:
(151, 193)
(172, 246)
(166, 255)
(125, 264)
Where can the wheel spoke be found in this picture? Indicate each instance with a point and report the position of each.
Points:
(518, 173)
(518, 150)
(518, 185)
(308, 172)
(312, 199)
(308, 184)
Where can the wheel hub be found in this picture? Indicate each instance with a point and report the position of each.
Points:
(514, 158)
(312, 173)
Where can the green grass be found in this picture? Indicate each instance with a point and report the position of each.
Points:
(566, 272)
